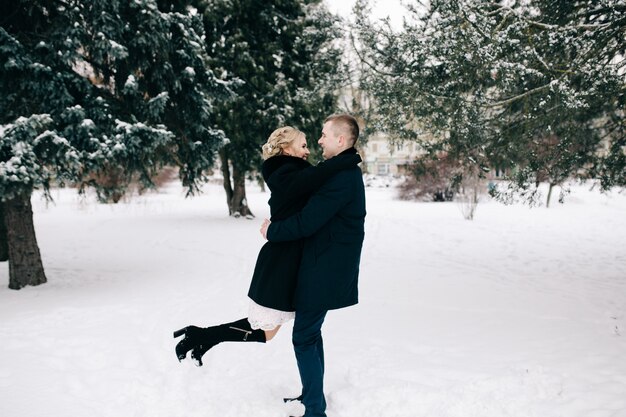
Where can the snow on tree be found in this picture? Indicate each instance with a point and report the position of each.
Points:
(94, 90)
(284, 56)
(535, 86)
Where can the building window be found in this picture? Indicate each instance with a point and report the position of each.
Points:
(382, 169)
(374, 147)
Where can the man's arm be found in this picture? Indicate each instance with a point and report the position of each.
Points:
(312, 178)
(322, 206)
(307, 181)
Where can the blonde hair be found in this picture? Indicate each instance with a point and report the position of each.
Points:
(279, 140)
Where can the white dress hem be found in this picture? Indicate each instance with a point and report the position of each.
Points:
(266, 318)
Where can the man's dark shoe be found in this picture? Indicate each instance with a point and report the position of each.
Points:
(288, 400)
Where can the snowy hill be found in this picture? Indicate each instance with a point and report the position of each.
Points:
(520, 313)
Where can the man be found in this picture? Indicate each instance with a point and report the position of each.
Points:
(332, 224)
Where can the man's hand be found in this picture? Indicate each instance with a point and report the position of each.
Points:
(264, 226)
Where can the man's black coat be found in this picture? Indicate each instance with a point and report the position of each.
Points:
(291, 181)
(333, 224)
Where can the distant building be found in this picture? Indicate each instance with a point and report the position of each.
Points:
(381, 157)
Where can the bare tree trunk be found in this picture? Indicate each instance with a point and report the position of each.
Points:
(228, 188)
(235, 190)
(25, 266)
(239, 202)
(468, 195)
(4, 246)
(549, 195)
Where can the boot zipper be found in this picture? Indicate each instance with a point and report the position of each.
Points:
(245, 338)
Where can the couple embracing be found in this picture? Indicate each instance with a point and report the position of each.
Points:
(310, 264)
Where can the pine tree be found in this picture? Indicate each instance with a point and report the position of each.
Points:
(94, 90)
(4, 247)
(534, 86)
(283, 56)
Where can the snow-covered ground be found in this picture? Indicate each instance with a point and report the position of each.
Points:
(521, 312)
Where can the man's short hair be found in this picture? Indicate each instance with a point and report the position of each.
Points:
(346, 125)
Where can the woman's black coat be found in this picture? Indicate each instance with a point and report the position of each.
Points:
(291, 181)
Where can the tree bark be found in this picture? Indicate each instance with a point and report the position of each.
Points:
(235, 189)
(549, 195)
(25, 266)
(228, 188)
(4, 246)
(239, 202)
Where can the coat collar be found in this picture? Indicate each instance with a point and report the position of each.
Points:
(273, 163)
(349, 151)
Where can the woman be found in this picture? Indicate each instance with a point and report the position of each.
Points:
(291, 180)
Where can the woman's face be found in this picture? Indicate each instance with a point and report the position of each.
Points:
(298, 148)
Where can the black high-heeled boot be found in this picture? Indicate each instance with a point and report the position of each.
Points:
(200, 340)
(191, 339)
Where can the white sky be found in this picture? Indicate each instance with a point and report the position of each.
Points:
(380, 9)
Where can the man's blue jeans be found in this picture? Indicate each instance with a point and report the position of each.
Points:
(309, 348)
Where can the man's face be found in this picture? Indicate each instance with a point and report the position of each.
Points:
(329, 141)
